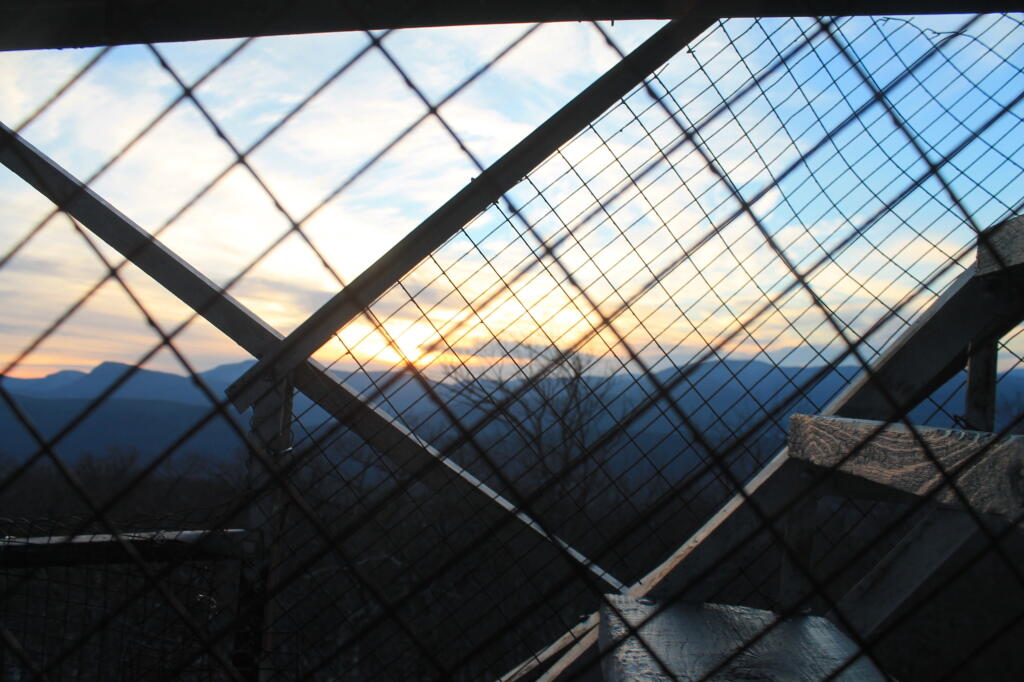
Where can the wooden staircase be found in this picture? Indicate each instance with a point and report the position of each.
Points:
(961, 483)
(971, 482)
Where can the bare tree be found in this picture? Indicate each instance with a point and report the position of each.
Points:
(547, 412)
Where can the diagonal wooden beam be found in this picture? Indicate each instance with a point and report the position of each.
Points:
(901, 575)
(484, 190)
(974, 308)
(241, 325)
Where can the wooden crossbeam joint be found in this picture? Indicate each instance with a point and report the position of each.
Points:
(383, 432)
(486, 189)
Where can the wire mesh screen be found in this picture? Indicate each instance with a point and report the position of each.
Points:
(546, 424)
(103, 621)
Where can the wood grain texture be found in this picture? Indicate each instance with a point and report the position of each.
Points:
(1001, 246)
(690, 641)
(989, 473)
(924, 357)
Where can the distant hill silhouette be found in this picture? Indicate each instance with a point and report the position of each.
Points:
(152, 409)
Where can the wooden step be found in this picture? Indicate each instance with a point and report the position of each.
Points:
(693, 641)
(871, 460)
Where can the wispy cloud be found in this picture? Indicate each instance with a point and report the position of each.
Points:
(338, 131)
(671, 243)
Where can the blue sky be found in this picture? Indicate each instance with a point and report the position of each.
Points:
(676, 202)
(344, 126)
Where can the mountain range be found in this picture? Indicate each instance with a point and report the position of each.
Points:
(153, 410)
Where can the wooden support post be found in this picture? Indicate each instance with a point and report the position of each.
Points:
(272, 429)
(980, 410)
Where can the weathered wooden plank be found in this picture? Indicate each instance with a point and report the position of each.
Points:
(241, 325)
(896, 580)
(158, 546)
(695, 641)
(987, 471)
(484, 190)
(1001, 246)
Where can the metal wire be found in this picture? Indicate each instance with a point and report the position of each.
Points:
(609, 353)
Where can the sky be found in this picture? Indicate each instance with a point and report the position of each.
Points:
(644, 229)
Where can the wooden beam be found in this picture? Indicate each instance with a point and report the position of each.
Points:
(527, 669)
(689, 573)
(484, 190)
(647, 640)
(36, 24)
(985, 470)
(979, 307)
(156, 546)
(378, 429)
(896, 580)
(980, 398)
(581, 652)
(922, 358)
(973, 310)
(1001, 246)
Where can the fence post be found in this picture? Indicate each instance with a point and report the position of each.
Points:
(980, 412)
(256, 648)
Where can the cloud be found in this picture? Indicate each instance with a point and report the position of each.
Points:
(27, 79)
(344, 126)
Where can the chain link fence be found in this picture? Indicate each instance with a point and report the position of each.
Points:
(541, 431)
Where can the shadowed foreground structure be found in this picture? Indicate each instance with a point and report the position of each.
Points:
(716, 374)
